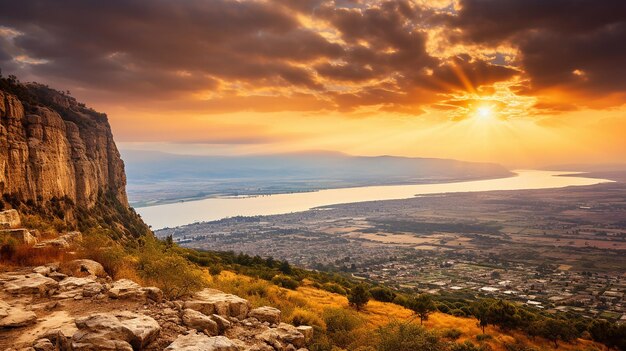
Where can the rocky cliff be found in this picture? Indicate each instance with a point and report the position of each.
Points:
(58, 158)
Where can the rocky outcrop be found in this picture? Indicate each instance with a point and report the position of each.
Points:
(9, 219)
(83, 311)
(211, 301)
(54, 147)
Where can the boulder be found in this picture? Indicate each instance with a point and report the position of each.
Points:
(15, 316)
(211, 301)
(86, 267)
(266, 314)
(21, 236)
(200, 322)
(201, 342)
(92, 289)
(114, 331)
(43, 345)
(126, 289)
(9, 219)
(34, 283)
(285, 334)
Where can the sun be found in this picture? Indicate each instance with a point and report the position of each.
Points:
(484, 112)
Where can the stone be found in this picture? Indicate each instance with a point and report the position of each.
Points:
(92, 289)
(47, 269)
(307, 332)
(84, 267)
(114, 331)
(9, 219)
(21, 235)
(52, 243)
(57, 276)
(126, 289)
(284, 334)
(72, 237)
(74, 283)
(43, 345)
(222, 322)
(201, 342)
(153, 293)
(211, 301)
(15, 316)
(266, 314)
(34, 283)
(200, 322)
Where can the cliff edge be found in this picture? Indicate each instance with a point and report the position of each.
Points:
(58, 159)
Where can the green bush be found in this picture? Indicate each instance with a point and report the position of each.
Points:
(285, 282)
(169, 271)
(451, 333)
(382, 294)
(334, 288)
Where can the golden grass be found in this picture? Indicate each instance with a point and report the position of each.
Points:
(312, 302)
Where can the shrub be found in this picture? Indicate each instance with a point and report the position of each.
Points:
(382, 294)
(483, 337)
(300, 316)
(169, 271)
(359, 296)
(285, 282)
(469, 346)
(341, 325)
(98, 246)
(451, 333)
(334, 288)
(408, 337)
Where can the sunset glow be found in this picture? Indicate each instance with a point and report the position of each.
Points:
(364, 77)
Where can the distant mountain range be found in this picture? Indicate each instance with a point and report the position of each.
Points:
(153, 176)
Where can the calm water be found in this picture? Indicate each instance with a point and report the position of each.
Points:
(181, 213)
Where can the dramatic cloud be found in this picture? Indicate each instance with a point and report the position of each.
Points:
(525, 59)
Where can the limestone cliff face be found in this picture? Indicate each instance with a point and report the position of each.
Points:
(52, 146)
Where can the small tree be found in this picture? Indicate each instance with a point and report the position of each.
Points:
(423, 306)
(359, 296)
(557, 329)
(479, 310)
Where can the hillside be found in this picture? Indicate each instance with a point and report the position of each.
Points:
(58, 161)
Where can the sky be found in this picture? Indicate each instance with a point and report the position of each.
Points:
(524, 83)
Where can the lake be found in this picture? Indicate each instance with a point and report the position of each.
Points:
(181, 213)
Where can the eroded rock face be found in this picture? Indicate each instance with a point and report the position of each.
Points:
(201, 342)
(44, 155)
(211, 301)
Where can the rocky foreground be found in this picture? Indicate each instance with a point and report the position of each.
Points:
(76, 306)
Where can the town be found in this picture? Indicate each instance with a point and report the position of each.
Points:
(561, 255)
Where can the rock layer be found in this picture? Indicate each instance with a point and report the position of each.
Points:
(57, 148)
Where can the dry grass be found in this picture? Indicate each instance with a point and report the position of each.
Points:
(21, 255)
(308, 302)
